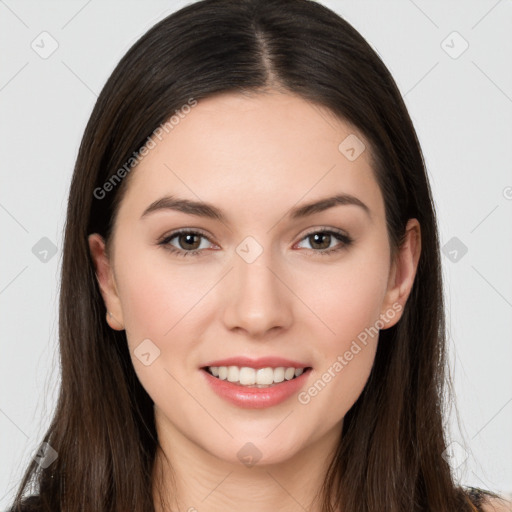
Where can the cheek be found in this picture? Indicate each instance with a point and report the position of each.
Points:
(157, 295)
(347, 301)
(158, 301)
(345, 298)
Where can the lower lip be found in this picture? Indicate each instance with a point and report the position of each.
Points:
(256, 398)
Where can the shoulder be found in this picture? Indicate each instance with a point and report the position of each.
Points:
(496, 504)
(488, 501)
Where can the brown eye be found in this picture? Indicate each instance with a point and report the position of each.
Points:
(188, 242)
(320, 241)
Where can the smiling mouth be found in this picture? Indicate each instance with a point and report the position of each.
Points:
(255, 378)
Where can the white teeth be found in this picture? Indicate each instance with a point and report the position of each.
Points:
(279, 374)
(233, 373)
(265, 376)
(246, 376)
(289, 373)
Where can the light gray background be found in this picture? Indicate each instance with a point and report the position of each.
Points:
(462, 110)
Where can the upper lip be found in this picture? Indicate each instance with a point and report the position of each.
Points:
(261, 362)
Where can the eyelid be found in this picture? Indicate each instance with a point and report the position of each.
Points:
(180, 231)
(323, 229)
(346, 239)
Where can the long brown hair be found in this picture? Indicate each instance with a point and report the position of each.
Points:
(103, 430)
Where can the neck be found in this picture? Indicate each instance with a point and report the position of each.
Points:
(189, 478)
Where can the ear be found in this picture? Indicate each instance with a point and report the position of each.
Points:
(106, 281)
(402, 273)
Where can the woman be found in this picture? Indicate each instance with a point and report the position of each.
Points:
(251, 312)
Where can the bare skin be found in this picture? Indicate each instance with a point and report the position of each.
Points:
(255, 158)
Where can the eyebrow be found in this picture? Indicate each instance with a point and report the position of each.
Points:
(207, 210)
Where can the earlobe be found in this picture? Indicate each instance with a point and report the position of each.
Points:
(106, 281)
(403, 271)
(113, 322)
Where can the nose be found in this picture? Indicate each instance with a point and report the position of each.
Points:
(257, 297)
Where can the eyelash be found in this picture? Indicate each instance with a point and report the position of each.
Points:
(347, 241)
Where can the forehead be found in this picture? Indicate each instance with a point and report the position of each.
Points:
(251, 152)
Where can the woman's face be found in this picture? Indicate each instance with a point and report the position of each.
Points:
(261, 284)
